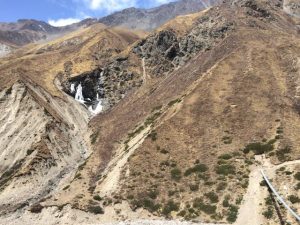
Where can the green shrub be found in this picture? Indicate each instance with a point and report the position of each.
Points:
(146, 203)
(297, 176)
(171, 103)
(225, 169)
(30, 151)
(157, 108)
(227, 140)
(130, 197)
(152, 118)
(259, 148)
(298, 186)
(78, 176)
(288, 173)
(66, 187)
(199, 168)
(95, 209)
(36, 208)
(212, 197)
(294, 199)
(208, 209)
(283, 153)
(225, 156)
(269, 201)
(263, 183)
(221, 186)
(268, 213)
(279, 130)
(176, 174)
(169, 207)
(136, 131)
(153, 135)
(153, 194)
(97, 198)
(232, 213)
(164, 151)
(182, 213)
(239, 200)
(171, 193)
(150, 205)
(194, 187)
(222, 162)
(94, 137)
(282, 168)
(225, 203)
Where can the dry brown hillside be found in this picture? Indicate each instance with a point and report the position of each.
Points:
(193, 112)
(80, 51)
(197, 120)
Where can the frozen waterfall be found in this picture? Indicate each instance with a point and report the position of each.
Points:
(79, 96)
(72, 88)
(99, 107)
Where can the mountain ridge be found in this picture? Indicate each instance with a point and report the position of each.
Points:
(150, 19)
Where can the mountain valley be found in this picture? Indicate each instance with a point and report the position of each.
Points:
(167, 121)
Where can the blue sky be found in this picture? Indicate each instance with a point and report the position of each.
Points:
(63, 12)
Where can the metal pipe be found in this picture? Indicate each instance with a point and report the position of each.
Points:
(280, 199)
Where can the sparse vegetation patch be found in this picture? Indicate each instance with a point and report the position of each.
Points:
(199, 168)
(259, 148)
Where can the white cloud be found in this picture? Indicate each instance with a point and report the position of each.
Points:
(63, 22)
(114, 5)
(110, 5)
(163, 1)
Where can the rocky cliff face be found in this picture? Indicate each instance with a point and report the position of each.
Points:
(149, 19)
(164, 51)
(41, 148)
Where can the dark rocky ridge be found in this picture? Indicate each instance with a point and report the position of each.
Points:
(165, 50)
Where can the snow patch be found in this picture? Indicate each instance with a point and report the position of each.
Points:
(4, 50)
(98, 109)
(72, 88)
(79, 96)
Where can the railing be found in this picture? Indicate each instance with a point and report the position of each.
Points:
(279, 198)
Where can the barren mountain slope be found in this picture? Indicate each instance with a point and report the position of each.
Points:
(192, 113)
(44, 131)
(200, 118)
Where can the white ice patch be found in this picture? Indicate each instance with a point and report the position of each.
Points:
(42, 28)
(72, 88)
(98, 109)
(4, 50)
(79, 96)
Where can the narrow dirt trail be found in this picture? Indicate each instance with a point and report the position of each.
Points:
(112, 174)
(144, 71)
(250, 211)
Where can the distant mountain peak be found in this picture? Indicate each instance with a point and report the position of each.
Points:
(149, 19)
